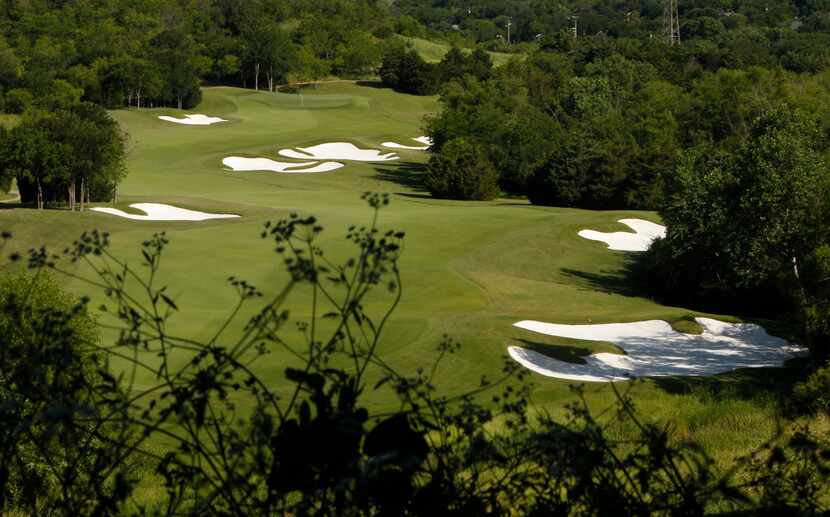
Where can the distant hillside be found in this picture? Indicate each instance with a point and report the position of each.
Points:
(487, 21)
(432, 51)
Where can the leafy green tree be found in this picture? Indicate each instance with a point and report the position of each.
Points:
(68, 154)
(743, 227)
(267, 50)
(500, 114)
(456, 64)
(11, 68)
(462, 170)
(34, 159)
(19, 100)
(49, 375)
(60, 95)
(180, 66)
(359, 55)
(404, 70)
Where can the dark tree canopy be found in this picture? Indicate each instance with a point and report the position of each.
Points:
(73, 154)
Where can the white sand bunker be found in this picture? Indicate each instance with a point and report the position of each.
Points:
(159, 212)
(194, 120)
(338, 151)
(425, 140)
(241, 164)
(655, 349)
(646, 233)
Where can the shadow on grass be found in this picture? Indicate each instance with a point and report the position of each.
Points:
(373, 84)
(566, 353)
(405, 174)
(617, 282)
(749, 384)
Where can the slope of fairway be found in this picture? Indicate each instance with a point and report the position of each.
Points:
(433, 52)
(470, 269)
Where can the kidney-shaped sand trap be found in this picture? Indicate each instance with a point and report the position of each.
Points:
(425, 140)
(193, 120)
(241, 164)
(655, 349)
(646, 233)
(159, 212)
(338, 151)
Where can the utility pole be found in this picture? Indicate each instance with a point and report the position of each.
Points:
(671, 23)
(575, 28)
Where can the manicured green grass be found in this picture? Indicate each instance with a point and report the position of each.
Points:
(433, 52)
(470, 269)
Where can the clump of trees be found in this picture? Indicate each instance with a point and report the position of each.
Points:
(750, 227)
(599, 123)
(789, 33)
(79, 439)
(73, 154)
(404, 70)
(462, 171)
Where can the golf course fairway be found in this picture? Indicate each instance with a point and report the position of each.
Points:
(470, 269)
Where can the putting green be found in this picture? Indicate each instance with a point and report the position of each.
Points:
(470, 269)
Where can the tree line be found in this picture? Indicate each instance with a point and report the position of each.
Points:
(117, 53)
(791, 32)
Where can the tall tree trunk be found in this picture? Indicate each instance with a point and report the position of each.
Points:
(71, 194)
(39, 195)
(138, 98)
(83, 183)
(256, 77)
(180, 101)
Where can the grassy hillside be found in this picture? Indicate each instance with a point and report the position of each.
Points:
(471, 269)
(433, 52)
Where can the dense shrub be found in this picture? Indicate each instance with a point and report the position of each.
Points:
(19, 100)
(813, 394)
(49, 374)
(751, 228)
(461, 170)
(404, 70)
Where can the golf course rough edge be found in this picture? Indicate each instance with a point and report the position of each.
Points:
(242, 164)
(646, 232)
(425, 140)
(338, 151)
(193, 120)
(654, 349)
(160, 212)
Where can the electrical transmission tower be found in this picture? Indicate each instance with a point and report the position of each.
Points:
(671, 23)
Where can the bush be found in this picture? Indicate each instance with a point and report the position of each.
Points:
(404, 70)
(813, 395)
(462, 170)
(48, 380)
(60, 96)
(19, 100)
